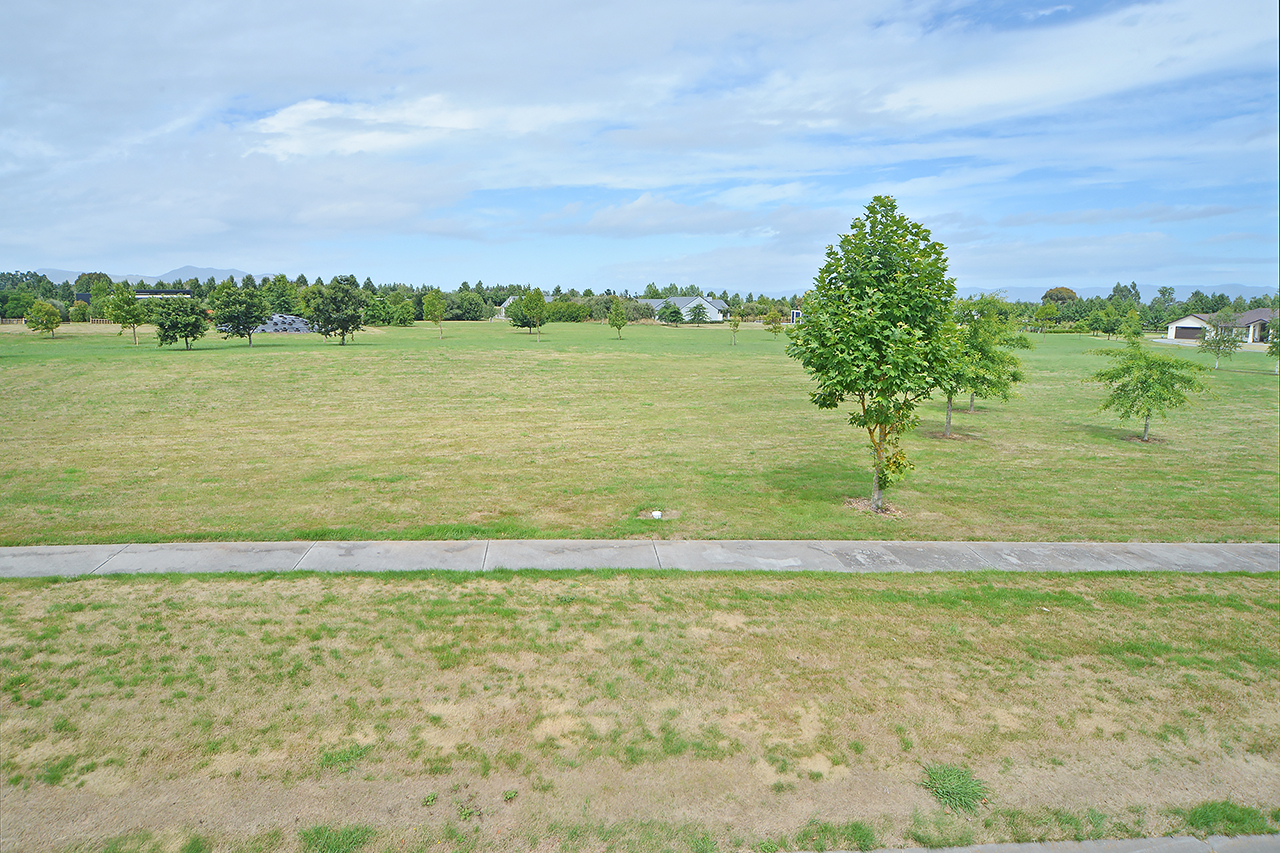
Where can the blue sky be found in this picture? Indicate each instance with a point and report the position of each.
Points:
(606, 145)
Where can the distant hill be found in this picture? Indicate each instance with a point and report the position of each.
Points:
(180, 274)
(1148, 291)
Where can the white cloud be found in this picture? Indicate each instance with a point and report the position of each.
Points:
(984, 77)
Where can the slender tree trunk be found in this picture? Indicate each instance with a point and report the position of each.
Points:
(946, 431)
(135, 336)
(251, 340)
(877, 493)
(971, 396)
(1146, 428)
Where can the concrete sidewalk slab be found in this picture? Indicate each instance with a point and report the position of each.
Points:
(571, 554)
(937, 556)
(747, 555)
(1176, 844)
(1207, 557)
(466, 555)
(193, 557)
(48, 561)
(686, 555)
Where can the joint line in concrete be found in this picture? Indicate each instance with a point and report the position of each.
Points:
(656, 555)
(114, 554)
(484, 561)
(303, 557)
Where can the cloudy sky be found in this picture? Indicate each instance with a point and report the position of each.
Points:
(603, 144)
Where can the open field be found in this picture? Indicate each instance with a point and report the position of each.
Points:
(490, 434)
(630, 711)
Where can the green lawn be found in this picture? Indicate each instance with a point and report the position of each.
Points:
(488, 433)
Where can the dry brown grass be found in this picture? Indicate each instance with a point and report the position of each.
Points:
(744, 704)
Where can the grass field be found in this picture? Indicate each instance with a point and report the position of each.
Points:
(488, 433)
(633, 711)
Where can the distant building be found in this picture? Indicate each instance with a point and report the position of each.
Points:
(1252, 327)
(716, 308)
(141, 294)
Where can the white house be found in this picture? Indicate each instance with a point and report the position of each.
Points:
(1252, 326)
(716, 308)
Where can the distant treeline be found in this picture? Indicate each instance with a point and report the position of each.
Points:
(480, 301)
(285, 296)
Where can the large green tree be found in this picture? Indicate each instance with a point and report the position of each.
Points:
(238, 311)
(336, 308)
(180, 318)
(43, 317)
(1143, 383)
(124, 309)
(698, 313)
(874, 331)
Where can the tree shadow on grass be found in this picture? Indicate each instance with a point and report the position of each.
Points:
(1120, 433)
(820, 481)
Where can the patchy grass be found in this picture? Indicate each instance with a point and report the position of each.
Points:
(488, 434)
(632, 710)
(955, 787)
(1223, 817)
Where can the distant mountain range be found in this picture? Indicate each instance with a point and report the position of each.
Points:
(1034, 294)
(180, 274)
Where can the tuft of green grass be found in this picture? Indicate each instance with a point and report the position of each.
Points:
(325, 839)
(821, 835)
(344, 759)
(1223, 817)
(955, 787)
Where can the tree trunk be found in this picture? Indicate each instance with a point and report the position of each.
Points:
(971, 396)
(251, 340)
(1146, 428)
(135, 336)
(946, 431)
(877, 493)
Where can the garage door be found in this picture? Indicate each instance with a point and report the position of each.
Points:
(1188, 332)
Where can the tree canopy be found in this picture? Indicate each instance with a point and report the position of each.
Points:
(1144, 383)
(180, 318)
(874, 330)
(123, 309)
(1223, 339)
(336, 308)
(43, 317)
(617, 316)
(238, 311)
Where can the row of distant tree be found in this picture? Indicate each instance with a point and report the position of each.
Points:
(1060, 306)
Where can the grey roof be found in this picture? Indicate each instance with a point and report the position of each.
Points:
(1247, 318)
(682, 302)
(1255, 315)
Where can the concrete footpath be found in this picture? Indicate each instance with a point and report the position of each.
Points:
(686, 555)
(1181, 844)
